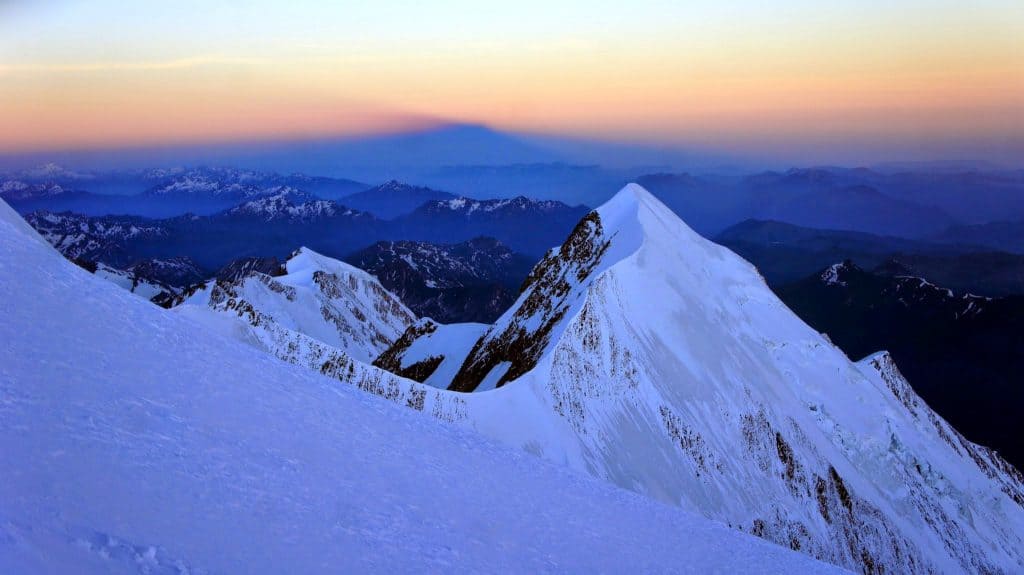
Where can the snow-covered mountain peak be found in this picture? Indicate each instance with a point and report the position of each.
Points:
(469, 206)
(319, 297)
(16, 190)
(644, 354)
(392, 185)
(305, 262)
(634, 217)
(288, 203)
(52, 171)
(631, 223)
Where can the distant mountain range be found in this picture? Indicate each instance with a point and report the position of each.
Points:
(1003, 236)
(157, 192)
(785, 253)
(273, 225)
(842, 199)
(162, 282)
(393, 198)
(525, 225)
(473, 281)
(964, 352)
(942, 206)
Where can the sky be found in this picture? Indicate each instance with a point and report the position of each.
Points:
(801, 79)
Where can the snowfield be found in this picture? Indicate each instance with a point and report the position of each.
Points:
(134, 440)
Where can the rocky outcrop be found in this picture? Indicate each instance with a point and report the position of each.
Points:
(520, 337)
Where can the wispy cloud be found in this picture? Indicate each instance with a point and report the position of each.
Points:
(127, 66)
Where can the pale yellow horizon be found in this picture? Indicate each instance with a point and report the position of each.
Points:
(952, 76)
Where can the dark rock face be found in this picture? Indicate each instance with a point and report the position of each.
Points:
(963, 353)
(521, 340)
(391, 359)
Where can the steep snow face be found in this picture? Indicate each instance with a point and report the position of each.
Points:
(134, 441)
(322, 298)
(663, 363)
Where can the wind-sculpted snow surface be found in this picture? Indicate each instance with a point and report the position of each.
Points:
(136, 441)
(663, 363)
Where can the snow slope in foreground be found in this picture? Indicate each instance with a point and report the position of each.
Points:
(133, 441)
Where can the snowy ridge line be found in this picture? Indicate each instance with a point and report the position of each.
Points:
(799, 472)
(469, 206)
(644, 355)
(330, 301)
(830, 501)
(195, 453)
